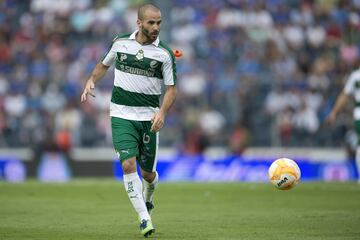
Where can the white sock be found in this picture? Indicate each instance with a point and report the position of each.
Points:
(149, 188)
(357, 157)
(133, 188)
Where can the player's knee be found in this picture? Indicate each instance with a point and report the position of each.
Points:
(148, 176)
(129, 166)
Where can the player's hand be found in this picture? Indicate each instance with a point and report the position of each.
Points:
(157, 121)
(330, 119)
(89, 87)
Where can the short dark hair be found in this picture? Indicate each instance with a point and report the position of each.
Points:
(145, 7)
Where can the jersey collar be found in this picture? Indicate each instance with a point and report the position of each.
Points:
(133, 35)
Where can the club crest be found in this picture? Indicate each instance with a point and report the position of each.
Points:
(140, 55)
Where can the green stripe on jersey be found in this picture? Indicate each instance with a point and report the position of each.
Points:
(123, 97)
(172, 56)
(145, 66)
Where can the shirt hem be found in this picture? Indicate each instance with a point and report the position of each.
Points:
(132, 118)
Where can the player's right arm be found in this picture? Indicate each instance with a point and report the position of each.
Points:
(98, 73)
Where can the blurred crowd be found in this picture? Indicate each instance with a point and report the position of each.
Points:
(254, 72)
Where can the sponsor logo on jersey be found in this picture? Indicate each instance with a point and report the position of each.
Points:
(137, 71)
(123, 57)
(154, 64)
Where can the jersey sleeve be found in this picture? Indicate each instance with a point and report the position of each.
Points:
(109, 57)
(350, 85)
(169, 70)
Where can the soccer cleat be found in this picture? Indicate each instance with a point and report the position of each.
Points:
(146, 228)
(149, 207)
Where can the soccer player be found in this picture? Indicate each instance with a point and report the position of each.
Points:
(142, 62)
(352, 88)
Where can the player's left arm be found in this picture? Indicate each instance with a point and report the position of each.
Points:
(342, 99)
(169, 74)
(169, 99)
(340, 103)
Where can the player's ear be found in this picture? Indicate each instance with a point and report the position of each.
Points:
(138, 22)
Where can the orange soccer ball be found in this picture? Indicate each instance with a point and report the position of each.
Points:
(284, 173)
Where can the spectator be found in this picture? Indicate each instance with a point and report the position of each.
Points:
(240, 58)
(239, 139)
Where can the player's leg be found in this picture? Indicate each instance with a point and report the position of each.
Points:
(133, 187)
(148, 160)
(125, 140)
(150, 180)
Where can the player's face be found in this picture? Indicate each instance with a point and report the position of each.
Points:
(150, 25)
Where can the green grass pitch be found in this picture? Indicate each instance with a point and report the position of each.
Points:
(99, 209)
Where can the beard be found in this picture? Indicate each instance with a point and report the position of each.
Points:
(150, 36)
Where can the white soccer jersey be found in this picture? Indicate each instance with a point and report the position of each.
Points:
(352, 87)
(139, 73)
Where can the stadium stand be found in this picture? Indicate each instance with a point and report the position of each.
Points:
(274, 67)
